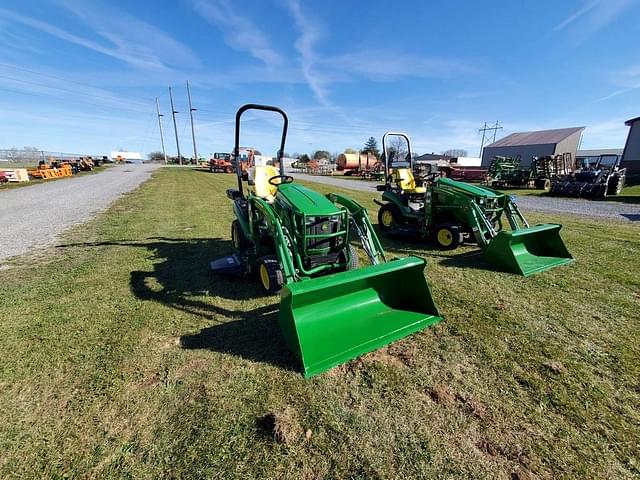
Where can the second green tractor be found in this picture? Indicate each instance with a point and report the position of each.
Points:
(452, 212)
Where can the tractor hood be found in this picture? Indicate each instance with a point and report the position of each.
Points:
(469, 189)
(305, 201)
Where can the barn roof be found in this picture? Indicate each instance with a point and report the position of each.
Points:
(633, 120)
(541, 137)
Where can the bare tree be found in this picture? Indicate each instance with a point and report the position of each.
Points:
(456, 152)
(397, 148)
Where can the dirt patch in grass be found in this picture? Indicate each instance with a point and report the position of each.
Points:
(283, 426)
(442, 394)
(385, 357)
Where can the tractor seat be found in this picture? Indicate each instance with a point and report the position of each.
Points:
(260, 176)
(403, 177)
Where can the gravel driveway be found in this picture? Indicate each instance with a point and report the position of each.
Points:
(34, 216)
(593, 208)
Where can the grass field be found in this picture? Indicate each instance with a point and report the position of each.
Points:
(122, 356)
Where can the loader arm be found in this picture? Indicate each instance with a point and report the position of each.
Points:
(281, 240)
(370, 242)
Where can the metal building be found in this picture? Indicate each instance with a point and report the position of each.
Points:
(530, 144)
(631, 154)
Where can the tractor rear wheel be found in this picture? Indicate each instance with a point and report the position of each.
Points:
(270, 272)
(238, 238)
(449, 236)
(388, 216)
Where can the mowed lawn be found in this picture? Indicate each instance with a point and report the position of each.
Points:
(122, 356)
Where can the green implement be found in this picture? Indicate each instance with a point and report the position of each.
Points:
(298, 243)
(528, 251)
(453, 212)
(329, 320)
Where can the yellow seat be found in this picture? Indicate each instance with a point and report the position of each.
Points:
(260, 176)
(406, 182)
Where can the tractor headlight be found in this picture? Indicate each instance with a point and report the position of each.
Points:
(309, 220)
(481, 201)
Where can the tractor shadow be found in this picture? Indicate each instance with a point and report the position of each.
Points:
(406, 244)
(182, 280)
(632, 217)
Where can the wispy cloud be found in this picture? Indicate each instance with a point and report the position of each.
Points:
(305, 44)
(128, 39)
(387, 65)
(627, 80)
(321, 71)
(576, 15)
(592, 17)
(240, 32)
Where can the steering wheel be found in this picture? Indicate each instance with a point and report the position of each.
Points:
(430, 177)
(283, 179)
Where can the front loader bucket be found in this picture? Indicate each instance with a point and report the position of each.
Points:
(528, 251)
(329, 320)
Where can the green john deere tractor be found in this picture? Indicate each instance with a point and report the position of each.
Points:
(297, 241)
(452, 212)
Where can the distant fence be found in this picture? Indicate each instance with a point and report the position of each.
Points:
(13, 155)
(314, 169)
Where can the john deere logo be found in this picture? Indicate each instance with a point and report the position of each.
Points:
(324, 227)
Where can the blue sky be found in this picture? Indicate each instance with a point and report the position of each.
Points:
(82, 75)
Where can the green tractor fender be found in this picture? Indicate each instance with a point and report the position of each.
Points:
(280, 240)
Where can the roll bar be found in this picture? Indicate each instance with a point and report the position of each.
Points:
(236, 148)
(384, 151)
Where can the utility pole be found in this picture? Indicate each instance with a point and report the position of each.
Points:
(175, 128)
(484, 131)
(193, 131)
(164, 152)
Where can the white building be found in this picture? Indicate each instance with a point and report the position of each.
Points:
(133, 157)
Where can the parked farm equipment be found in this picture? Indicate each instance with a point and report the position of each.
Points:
(362, 164)
(601, 179)
(54, 170)
(297, 241)
(508, 172)
(452, 212)
(221, 163)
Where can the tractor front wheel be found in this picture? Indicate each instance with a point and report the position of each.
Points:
(388, 216)
(271, 276)
(239, 239)
(449, 236)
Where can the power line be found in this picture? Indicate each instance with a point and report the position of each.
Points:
(74, 92)
(164, 151)
(193, 132)
(15, 67)
(484, 131)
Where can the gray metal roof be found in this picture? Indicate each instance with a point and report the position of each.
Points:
(599, 151)
(541, 137)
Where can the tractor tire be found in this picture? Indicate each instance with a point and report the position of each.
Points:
(449, 236)
(238, 238)
(389, 216)
(616, 183)
(270, 274)
(354, 263)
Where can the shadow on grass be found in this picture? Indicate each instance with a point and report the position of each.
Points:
(181, 275)
(404, 244)
(635, 199)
